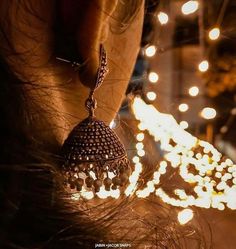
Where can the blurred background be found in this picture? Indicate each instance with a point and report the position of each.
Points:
(187, 67)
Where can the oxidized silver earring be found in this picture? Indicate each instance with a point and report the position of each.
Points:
(93, 154)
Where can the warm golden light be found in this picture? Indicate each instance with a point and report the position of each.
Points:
(151, 96)
(140, 137)
(185, 216)
(135, 159)
(183, 107)
(139, 146)
(163, 18)
(189, 7)
(212, 190)
(193, 91)
(141, 153)
(214, 34)
(203, 66)
(208, 113)
(183, 124)
(153, 77)
(211, 175)
(150, 51)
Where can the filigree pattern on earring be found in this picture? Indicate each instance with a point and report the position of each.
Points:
(93, 154)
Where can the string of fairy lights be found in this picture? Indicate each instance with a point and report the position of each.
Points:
(211, 176)
(214, 177)
(214, 33)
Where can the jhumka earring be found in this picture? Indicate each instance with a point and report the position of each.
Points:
(93, 154)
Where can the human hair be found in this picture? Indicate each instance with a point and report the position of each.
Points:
(36, 212)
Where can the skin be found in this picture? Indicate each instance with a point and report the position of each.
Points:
(60, 91)
(55, 92)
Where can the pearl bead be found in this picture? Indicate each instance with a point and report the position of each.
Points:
(116, 180)
(97, 183)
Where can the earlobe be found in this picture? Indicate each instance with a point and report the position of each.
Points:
(92, 30)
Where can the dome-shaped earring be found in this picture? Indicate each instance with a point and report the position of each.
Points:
(93, 154)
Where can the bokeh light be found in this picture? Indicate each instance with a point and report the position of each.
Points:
(183, 107)
(153, 77)
(189, 7)
(193, 91)
(185, 216)
(140, 136)
(208, 113)
(203, 66)
(151, 95)
(150, 51)
(214, 34)
(163, 18)
(183, 124)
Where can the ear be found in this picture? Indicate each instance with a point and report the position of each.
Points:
(90, 19)
(91, 32)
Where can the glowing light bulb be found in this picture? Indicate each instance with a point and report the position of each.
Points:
(183, 107)
(135, 159)
(184, 124)
(139, 146)
(188, 150)
(193, 91)
(150, 51)
(141, 126)
(185, 216)
(189, 7)
(163, 18)
(140, 137)
(203, 66)
(208, 113)
(214, 34)
(141, 153)
(151, 96)
(153, 77)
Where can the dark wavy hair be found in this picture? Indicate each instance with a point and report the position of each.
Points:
(35, 211)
